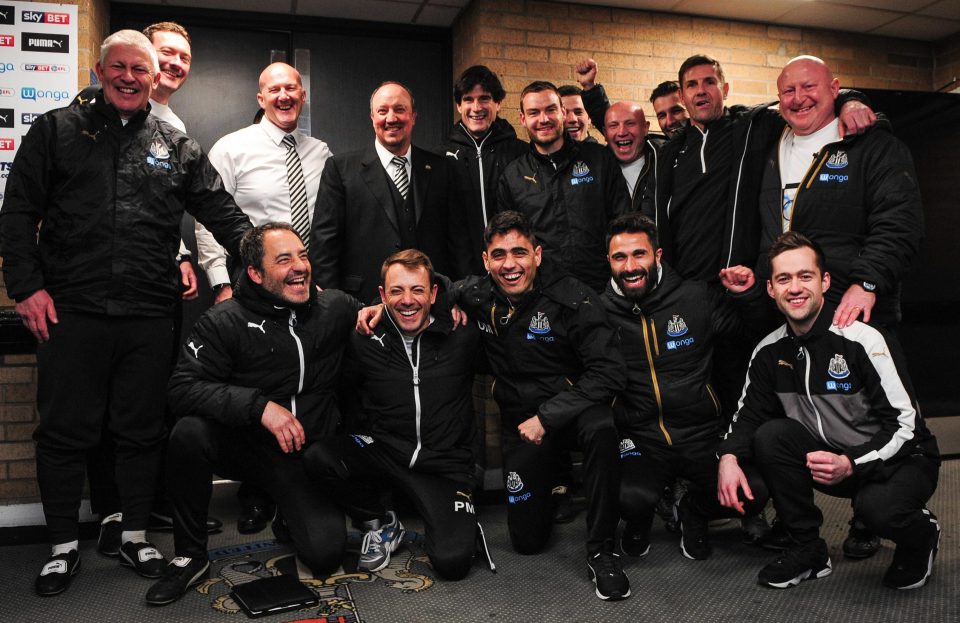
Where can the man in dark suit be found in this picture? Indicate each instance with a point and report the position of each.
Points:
(383, 198)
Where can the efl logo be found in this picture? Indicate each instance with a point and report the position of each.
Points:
(44, 42)
(45, 17)
(6, 15)
(6, 41)
(6, 117)
(47, 69)
(5, 92)
(6, 144)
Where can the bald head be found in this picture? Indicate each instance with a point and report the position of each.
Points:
(808, 92)
(281, 95)
(625, 129)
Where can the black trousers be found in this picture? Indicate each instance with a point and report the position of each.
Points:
(530, 475)
(645, 469)
(100, 375)
(199, 448)
(889, 502)
(355, 469)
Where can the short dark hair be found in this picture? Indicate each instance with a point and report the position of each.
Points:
(788, 241)
(482, 76)
(251, 245)
(695, 61)
(568, 89)
(413, 101)
(409, 258)
(537, 86)
(166, 27)
(633, 223)
(508, 221)
(663, 89)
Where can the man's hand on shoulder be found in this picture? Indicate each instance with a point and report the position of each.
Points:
(854, 301)
(828, 468)
(855, 118)
(35, 310)
(730, 479)
(223, 293)
(586, 71)
(737, 279)
(284, 426)
(368, 318)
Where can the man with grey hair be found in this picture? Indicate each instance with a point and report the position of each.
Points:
(386, 197)
(97, 286)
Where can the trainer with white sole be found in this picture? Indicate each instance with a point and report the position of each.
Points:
(831, 409)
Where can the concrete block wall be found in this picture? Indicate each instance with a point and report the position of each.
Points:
(527, 40)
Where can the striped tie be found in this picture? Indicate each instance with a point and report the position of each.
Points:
(299, 217)
(400, 175)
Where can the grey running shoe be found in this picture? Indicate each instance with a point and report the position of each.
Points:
(379, 542)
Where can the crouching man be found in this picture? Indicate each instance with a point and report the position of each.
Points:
(831, 409)
(413, 377)
(253, 387)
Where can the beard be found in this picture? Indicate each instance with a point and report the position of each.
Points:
(635, 294)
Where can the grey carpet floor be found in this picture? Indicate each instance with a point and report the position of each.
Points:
(550, 587)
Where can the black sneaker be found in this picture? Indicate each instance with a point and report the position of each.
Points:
(160, 522)
(180, 575)
(694, 537)
(860, 542)
(254, 518)
(144, 558)
(635, 539)
(605, 571)
(281, 532)
(565, 507)
(802, 562)
(57, 573)
(776, 539)
(111, 529)
(754, 528)
(912, 566)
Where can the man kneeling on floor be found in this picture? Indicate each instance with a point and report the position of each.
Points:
(413, 376)
(831, 409)
(253, 388)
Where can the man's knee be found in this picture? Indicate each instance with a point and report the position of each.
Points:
(637, 500)
(452, 563)
(775, 440)
(191, 437)
(324, 463)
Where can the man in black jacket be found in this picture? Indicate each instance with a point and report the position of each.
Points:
(568, 190)
(412, 377)
(668, 416)
(389, 196)
(480, 147)
(831, 408)
(557, 368)
(253, 388)
(105, 184)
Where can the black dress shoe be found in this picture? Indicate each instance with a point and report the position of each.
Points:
(281, 532)
(180, 575)
(111, 529)
(144, 558)
(254, 519)
(164, 523)
(57, 573)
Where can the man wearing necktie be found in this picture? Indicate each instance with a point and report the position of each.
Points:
(388, 196)
(270, 168)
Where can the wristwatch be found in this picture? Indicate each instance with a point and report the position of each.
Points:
(869, 287)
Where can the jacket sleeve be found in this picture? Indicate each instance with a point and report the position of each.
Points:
(212, 205)
(457, 234)
(894, 215)
(616, 198)
(328, 226)
(24, 207)
(758, 403)
(200, 383)
(603, 375)
(596, 102)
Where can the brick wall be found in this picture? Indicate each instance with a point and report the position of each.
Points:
(947, 63)
(526, 40)
(18, 375)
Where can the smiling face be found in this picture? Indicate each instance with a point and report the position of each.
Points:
(281, 96)
(670, 113)
(576, 121)
(478, 111)
(797, 286)
(173, 52)
(625, 129)
(807, 92)
(702, 94)
(286, 268)
(128, 77)
(393, 116)
(633, 264)
(512, 262)
(542, 114)
(408, 296)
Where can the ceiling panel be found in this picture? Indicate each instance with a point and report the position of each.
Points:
(838, 17)
(370, 10)
(902, 6)
(753, 10)
(945, 8)
(912, 26)
(432, 15)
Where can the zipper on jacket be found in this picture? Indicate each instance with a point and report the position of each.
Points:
(713, 397)
(818, 160)
(415, 367)
(653, 378)
(806, 385)
(291, 324)
(483, 188)
(736, 193)
(703, 149)
(656, 181)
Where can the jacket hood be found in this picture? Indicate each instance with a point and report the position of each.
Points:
(500, 130)
(255, 298)
(667, 281)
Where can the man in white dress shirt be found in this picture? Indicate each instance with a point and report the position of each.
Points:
(253, 165)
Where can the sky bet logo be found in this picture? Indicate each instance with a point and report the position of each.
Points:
(44, 42)
(45, 17)
(6, 41)
(32, 94)
(6, 144)
(46, 69)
